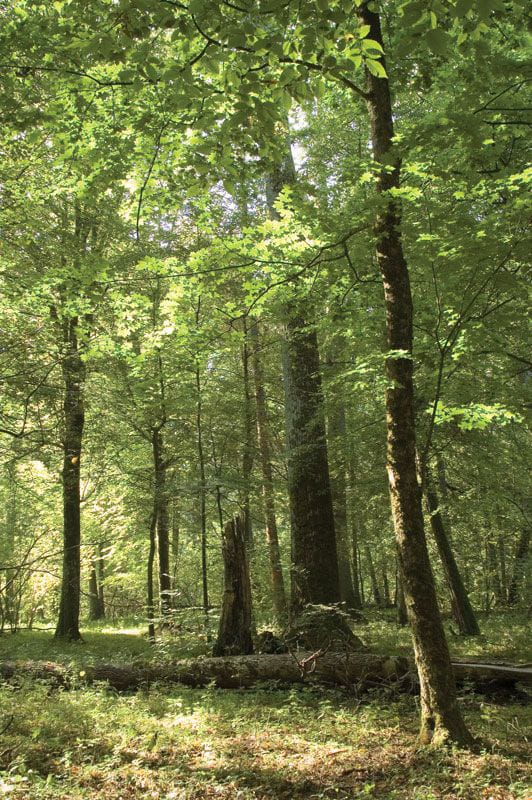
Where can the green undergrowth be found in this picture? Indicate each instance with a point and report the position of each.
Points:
(505, 635)
(184, 744)
(174, 743)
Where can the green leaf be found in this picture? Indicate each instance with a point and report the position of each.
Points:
(438, 41)
(462, 7)
(376, 68)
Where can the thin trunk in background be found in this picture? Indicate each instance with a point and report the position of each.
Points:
(73, 369)
(247, 456)
(202, 487)
(460, 603)
(376, 592)
(272, 536)
(337, 444)
(161, 503)
(150, 604)
(520, 564)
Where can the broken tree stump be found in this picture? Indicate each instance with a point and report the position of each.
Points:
(234, 632)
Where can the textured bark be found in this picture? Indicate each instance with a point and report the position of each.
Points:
(202, 488)
(314, 575)
(74, 419)
(234, 633)
(402, 615)
(362, 670)
(376, 592)
(337, 436)
(247, 456)
(460, 604)
(519, 572)
(150, 604)
(161, 503)
(314, 555)
(441, 719)
(272, 537)
(355, 571)
(95, 608)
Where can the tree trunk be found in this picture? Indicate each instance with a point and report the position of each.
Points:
(247, 456)
(387, 600)
(495, 581)
(272, 536)
(519, 572)
(460, 604)
(377, 597)
(314, 574)
(402, 615)
(314, 554)
(150, 605)
(95, 609)
(202, 489)
(502, 561)
(357, 578)
(337, 437)
(360, 670)
(101, 578)
(74, 418)
(441, 718)
(161, 503)
(234, 633)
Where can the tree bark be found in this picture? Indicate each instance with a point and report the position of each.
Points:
(247, 456)
(150, 604)
(314, 573)
(234, 633)
(519, 572)
(402, 615)
(74, 419)
(95, 608)
(377, 596)
(460, 604)
(202, 487)
(337, 436)
(161, 503)
(315, 576)
(272, 536)
(361, 670)
(441, 719)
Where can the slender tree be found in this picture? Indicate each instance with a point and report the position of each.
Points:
(441, 718)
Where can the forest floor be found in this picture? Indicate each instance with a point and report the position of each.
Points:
(175, 743)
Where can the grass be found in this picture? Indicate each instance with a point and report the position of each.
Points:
(183, 744)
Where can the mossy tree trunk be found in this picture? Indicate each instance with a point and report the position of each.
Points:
(315, 576)
(441, 719)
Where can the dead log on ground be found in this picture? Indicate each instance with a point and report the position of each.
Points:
(363, 670)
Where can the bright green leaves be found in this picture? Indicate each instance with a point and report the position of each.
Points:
(476, 416)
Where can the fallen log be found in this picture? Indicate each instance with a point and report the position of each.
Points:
(362, 670)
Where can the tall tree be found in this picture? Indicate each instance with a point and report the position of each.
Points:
(441, 718)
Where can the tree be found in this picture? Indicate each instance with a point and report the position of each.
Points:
(440, 716)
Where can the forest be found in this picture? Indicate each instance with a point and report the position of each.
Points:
(264, 393)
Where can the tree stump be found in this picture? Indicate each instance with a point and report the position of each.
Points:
(234, 633)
